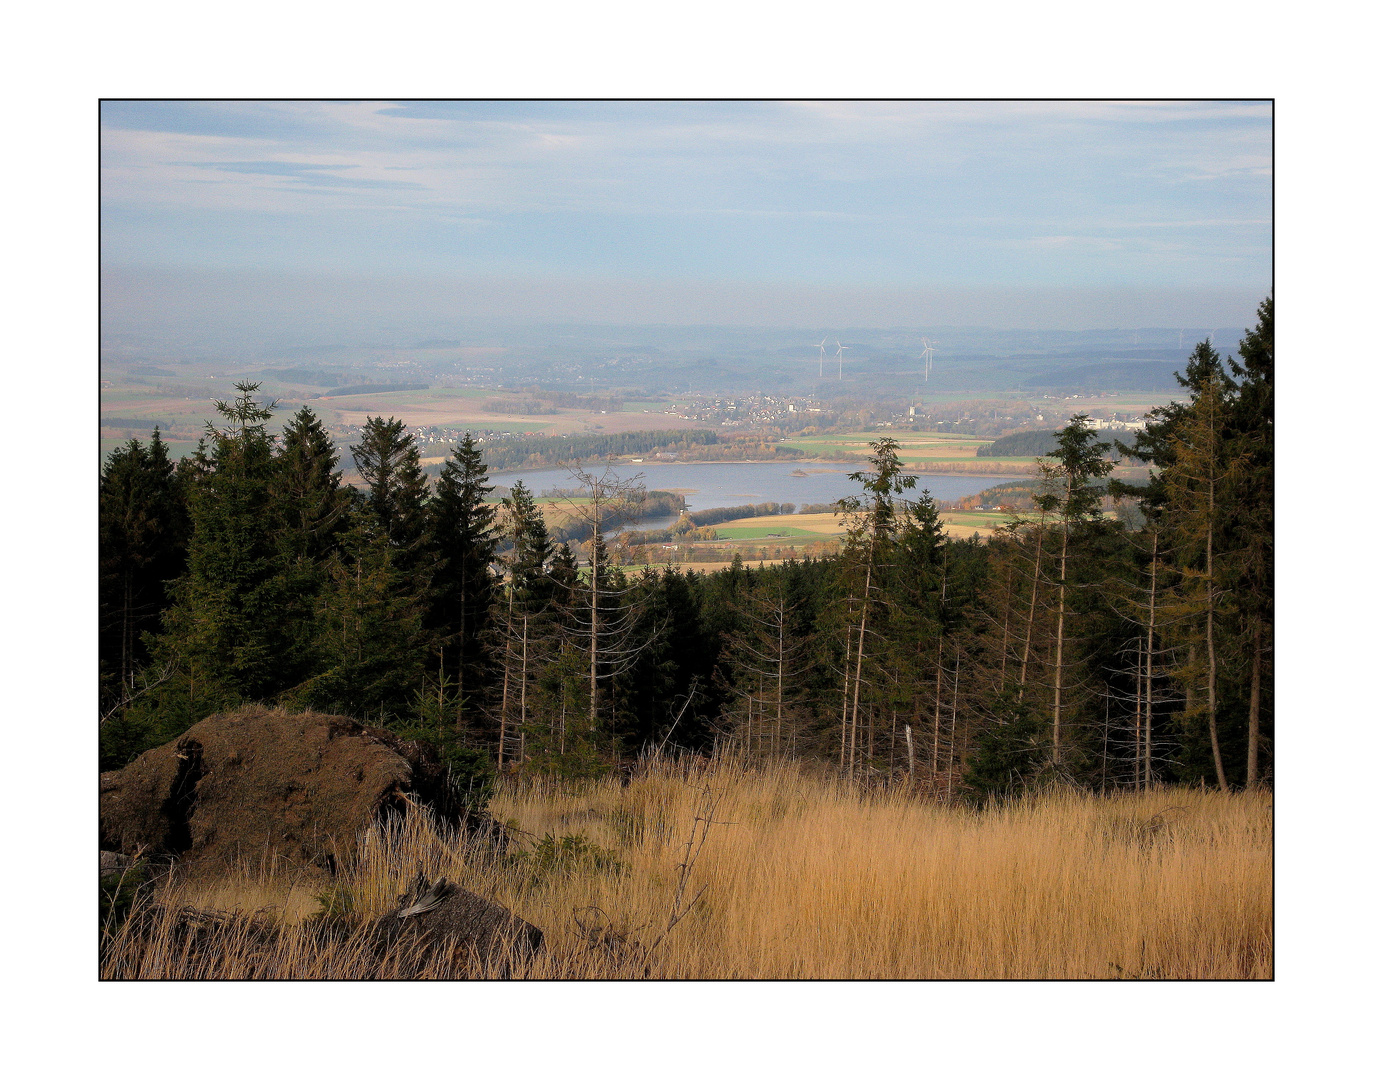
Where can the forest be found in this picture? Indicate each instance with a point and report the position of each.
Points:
(535, 451)
(1069, 647)
(1019, 444)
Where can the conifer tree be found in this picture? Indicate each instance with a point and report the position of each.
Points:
(389, 460)
(464, 537)
(229, 620)
(1071, 496)
(769, 655)
(524, 625)
(144, 530)
(372, 643)
(1198, 485)
(310, 512)
(602, 625)
(1253, 573)
(871, 524)
(309, 501)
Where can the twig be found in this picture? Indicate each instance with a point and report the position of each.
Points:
(705, 817)
(127, 699)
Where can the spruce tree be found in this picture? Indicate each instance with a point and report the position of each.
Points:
(1253, 566)
(464, 536)
(524, 626)
(144, 530)
(309, 501)
(389, 460)
(372, 643)
(229, 621)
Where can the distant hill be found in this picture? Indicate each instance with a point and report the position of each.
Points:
(1020, 444)
(1125, 375)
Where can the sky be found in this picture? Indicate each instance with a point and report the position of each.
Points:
(1021, 213)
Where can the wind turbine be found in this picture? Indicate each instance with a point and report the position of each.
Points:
(840, 350)
(821, 347)
(928, 355)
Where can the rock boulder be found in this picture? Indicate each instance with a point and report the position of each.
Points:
(431, 918)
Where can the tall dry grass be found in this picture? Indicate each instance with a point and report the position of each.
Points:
(804, 878)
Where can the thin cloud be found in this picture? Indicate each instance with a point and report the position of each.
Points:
(1011, 193)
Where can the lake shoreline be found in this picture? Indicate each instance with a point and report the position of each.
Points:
(1024, 470)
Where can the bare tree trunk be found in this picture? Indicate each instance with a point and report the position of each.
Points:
(858, 666)
(505, 675)
(844, 713)
(953, 727)
(1211, 640)
(748, 725)
(1058, 647)
(1149, 672)
(524, 681)
(1006, 631)
(1139, 711)
(1251, 761)
(1034, 596)
(595, 618)
(938, 684)
(781, 653)
(462, 639)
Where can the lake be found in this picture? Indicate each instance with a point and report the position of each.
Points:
(731, 483)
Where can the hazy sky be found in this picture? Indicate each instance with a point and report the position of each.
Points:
(1070, 214)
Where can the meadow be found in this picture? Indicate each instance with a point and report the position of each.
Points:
(720, 870)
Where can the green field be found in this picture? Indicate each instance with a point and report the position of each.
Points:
(766, 532)
(978, 519)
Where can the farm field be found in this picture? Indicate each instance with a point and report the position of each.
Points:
(921, 449)
(857, 442)
(766, 532)
(806, 529)
(798, 875)
(798, 528)
(131, 411)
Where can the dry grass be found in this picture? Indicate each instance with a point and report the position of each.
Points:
(804, 878)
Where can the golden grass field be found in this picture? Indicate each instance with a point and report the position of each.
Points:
(799, 877)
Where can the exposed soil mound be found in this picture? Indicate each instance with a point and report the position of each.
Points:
(237, 784)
